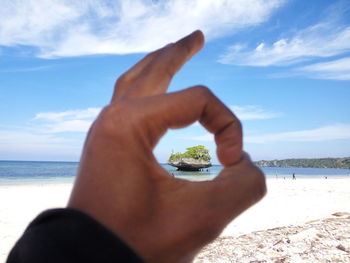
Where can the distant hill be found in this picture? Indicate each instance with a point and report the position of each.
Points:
(312, 163)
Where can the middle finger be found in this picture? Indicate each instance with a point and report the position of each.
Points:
(155, 73)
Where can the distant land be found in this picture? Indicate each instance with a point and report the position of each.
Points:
(343, 163)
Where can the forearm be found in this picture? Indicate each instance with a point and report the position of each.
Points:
(67, 235)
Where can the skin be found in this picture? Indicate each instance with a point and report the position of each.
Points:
(120, 183)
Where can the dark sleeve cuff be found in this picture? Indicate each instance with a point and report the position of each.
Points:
(68, 235)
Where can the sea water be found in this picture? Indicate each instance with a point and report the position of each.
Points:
(24, 172)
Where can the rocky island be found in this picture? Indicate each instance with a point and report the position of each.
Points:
(194, 159)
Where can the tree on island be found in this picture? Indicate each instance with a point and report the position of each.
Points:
(194, 159)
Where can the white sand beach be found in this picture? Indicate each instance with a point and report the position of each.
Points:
(288, 202)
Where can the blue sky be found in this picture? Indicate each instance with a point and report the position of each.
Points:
(282, 66)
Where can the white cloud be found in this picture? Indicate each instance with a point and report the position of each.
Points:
(67, 121)
(318, 41)
(26, 145)
(69, 126)
(326, 133)
(41, 139)
(28, 138)
(336, 69)
(61, 28)
(252, 112)
(71, 114)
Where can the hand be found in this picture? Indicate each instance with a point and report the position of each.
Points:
(120, 183)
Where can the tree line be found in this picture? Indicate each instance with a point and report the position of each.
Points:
(312, 163)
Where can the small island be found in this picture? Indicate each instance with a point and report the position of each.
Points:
(194, 159)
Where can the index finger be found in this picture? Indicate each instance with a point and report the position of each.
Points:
(180, 109)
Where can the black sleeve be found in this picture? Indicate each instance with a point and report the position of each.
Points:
(67, 235)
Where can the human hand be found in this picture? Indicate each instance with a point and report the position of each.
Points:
(120, 183)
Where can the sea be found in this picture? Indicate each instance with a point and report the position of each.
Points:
(28, 172)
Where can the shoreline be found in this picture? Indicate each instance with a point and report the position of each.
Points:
(23, 181)
(213, 164)
(288, 202)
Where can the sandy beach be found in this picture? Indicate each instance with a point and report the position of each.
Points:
(288, 202)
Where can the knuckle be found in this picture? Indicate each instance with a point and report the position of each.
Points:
(113, 119)
(165, 66)
(203, 91)
(104, 121)
(168, 71)
(259, 184)
(239, 126)
(185, 47)
(123, 79)
(237, 121)
(157, 69)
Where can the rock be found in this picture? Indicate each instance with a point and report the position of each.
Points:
(341, 247)
(312, 221)
(261, 245)
(279, 241)
(280, 260)
(320, 235)
(341, 214)
(189, 164)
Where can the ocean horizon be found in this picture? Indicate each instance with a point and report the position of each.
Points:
(57, 172)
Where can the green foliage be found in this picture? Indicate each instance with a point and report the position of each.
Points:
(175, 156)
(314, 163)
(196, 152)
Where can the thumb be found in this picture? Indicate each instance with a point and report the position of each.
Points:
(233, 191)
